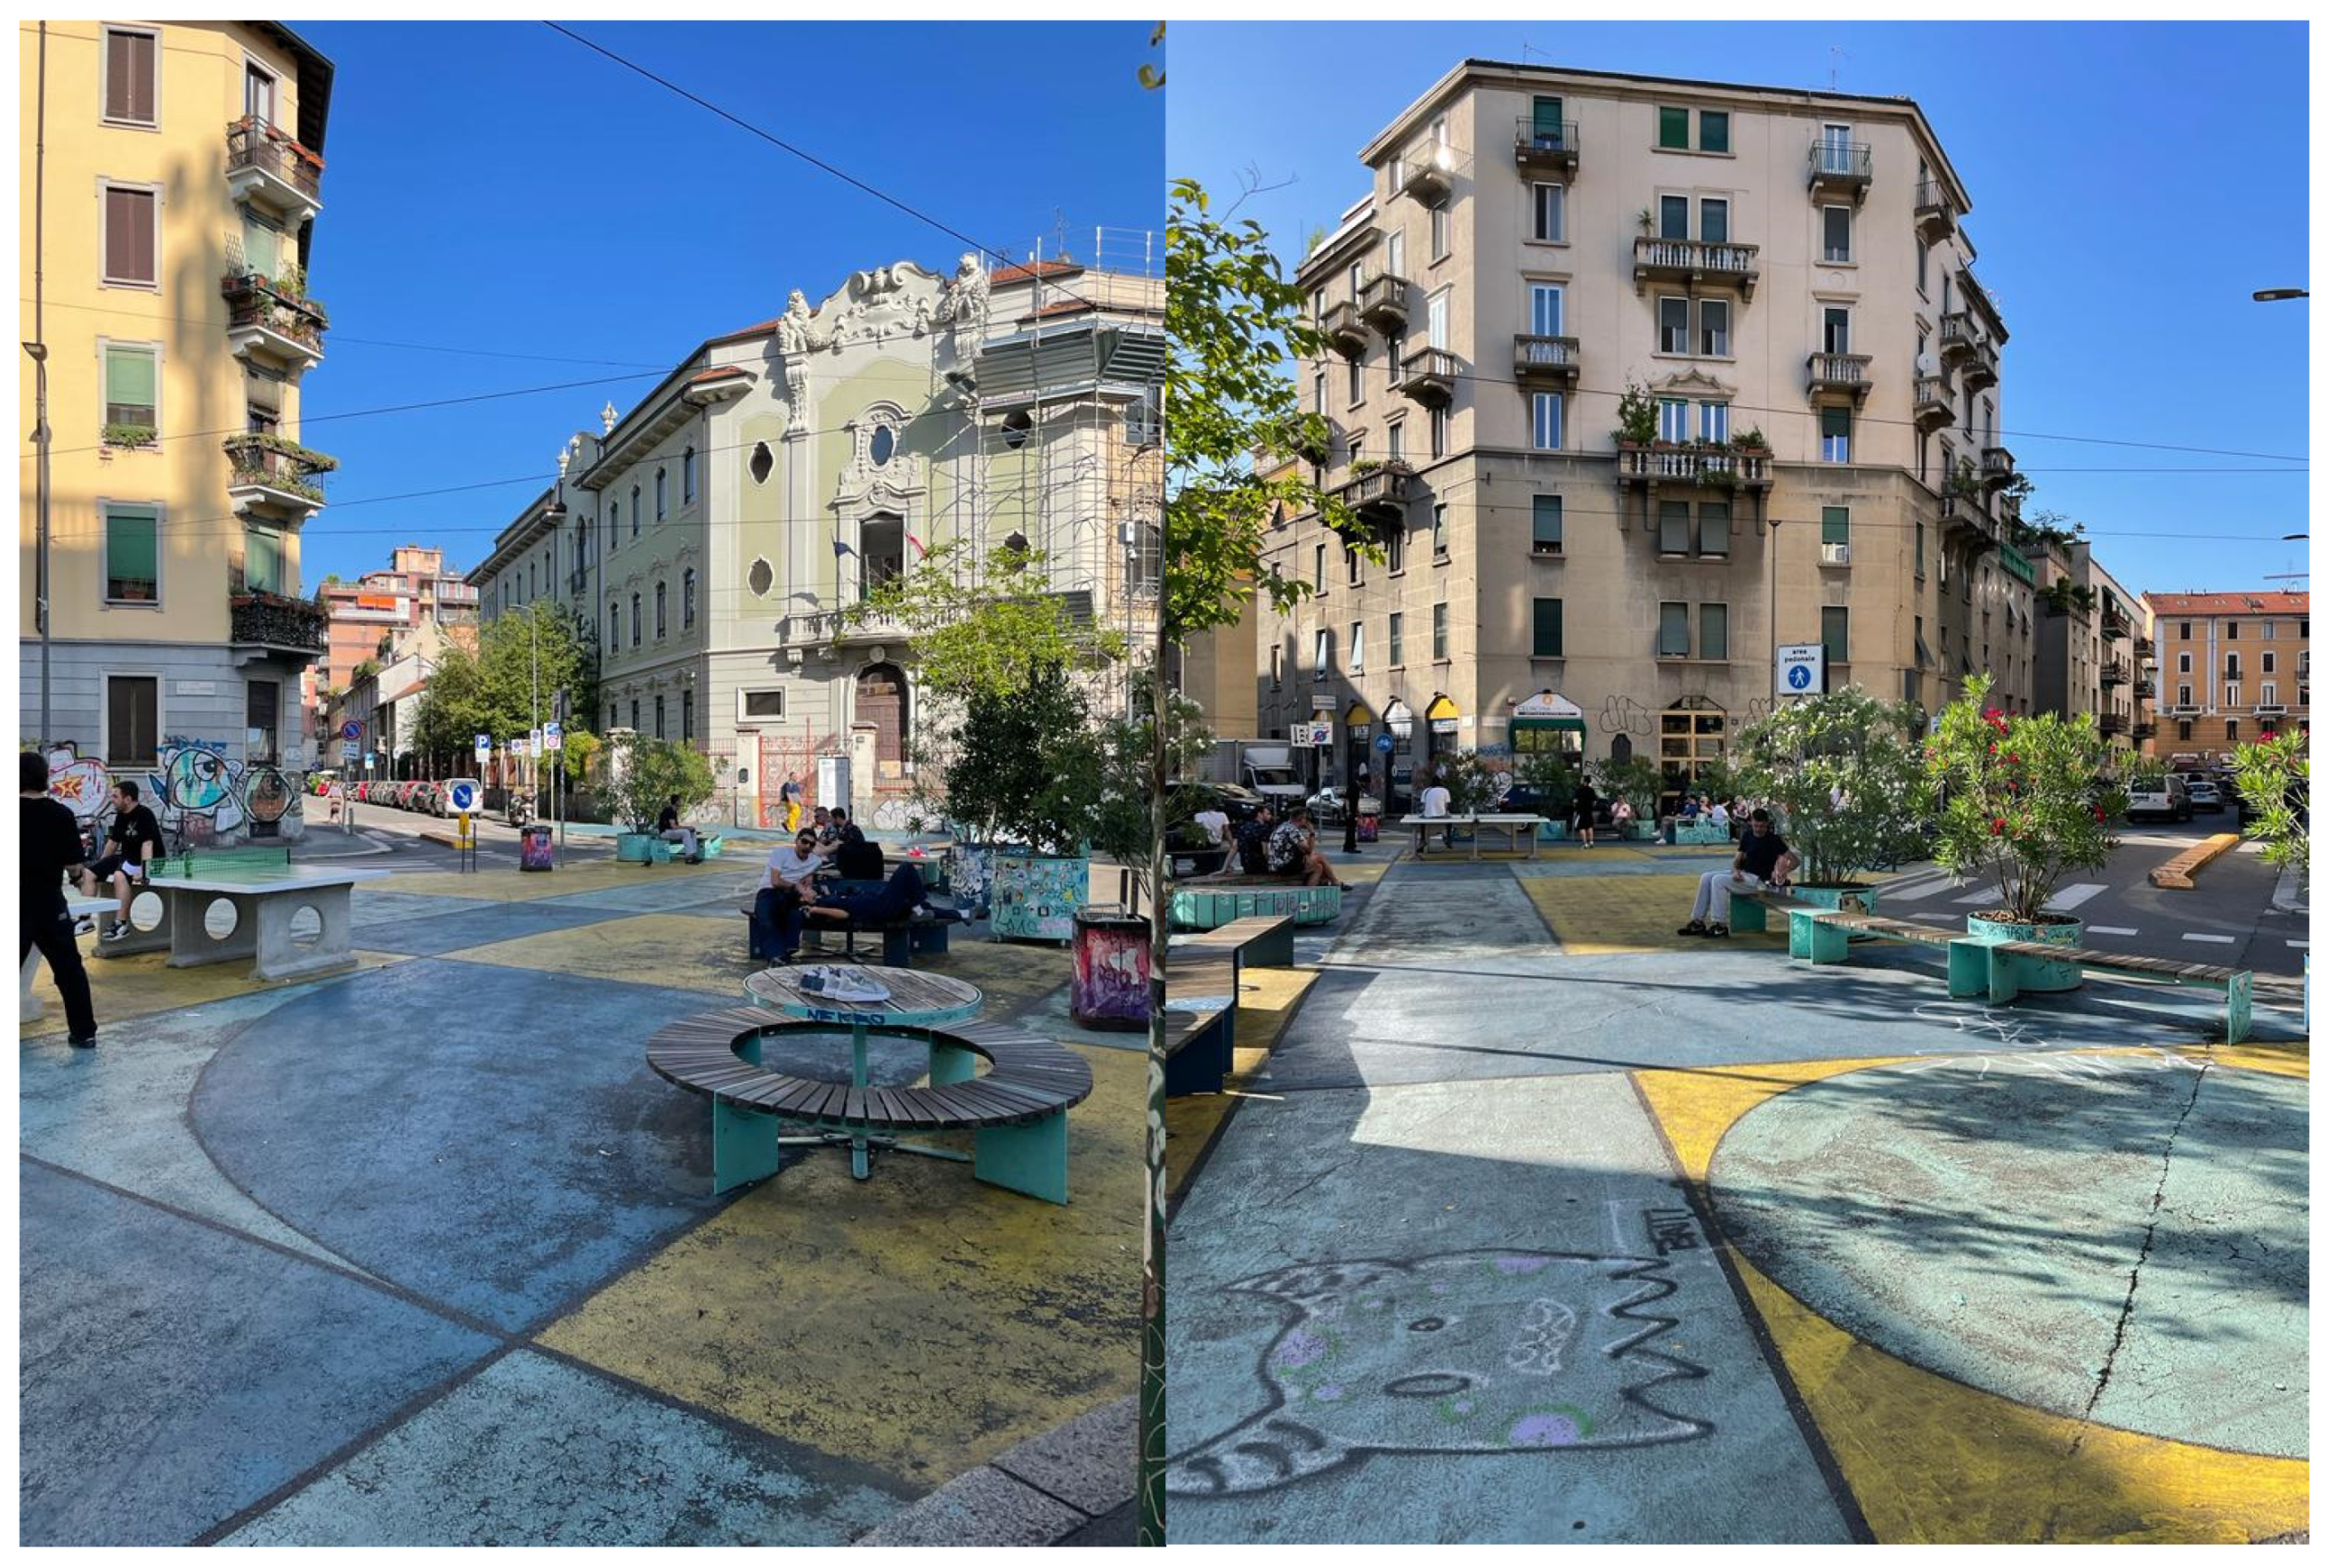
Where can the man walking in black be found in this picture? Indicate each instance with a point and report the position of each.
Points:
(51, 847)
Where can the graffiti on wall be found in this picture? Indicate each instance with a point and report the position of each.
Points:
(199, 794)
(1623, 716)
(1474, 1352)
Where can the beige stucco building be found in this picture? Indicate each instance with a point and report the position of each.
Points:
(2231, 666)
(2094, 649)
(711, 536)
(1762, 263)
(171, 179)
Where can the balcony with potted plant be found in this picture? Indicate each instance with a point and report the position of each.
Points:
(275, 476)
(266, 167)
(272, 320)
(1376, 494)
(1544, 147)
(1644, 459)
(1695, 262)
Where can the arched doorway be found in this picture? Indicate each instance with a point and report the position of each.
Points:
(883, 703)
(1443, 722)
(1398, 780)
(1692, 736)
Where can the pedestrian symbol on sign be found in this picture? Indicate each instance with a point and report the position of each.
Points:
(1800, 677)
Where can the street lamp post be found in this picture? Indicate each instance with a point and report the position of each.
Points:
(2267, 296)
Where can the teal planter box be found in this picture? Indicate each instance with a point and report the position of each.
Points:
(1700, 833)
(637, 849)
(1035, 897)
(2033, 974)
(1851, 900)
(1206, 909)
(1552, 832)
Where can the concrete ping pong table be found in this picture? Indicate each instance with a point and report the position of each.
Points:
(266, 893)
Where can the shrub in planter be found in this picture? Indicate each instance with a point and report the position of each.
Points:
(2029, 798)
(642, 774)
(1841, 771)
(2275, 780)
(1635, 781)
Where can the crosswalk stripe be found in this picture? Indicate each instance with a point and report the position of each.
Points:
(2077, 893)
(1985, 895)
(1911, 888)
(2207, 936)
(2292, 942)
(2112, 931)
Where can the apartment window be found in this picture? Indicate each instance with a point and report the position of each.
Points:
(613, 624)
(2182, 664)
(1546, 128)
(1398, 442)
(2270, 694)
(1551, 212)
(130, 76)
(1357, 450)
(2270, 663)
(638, 622)
(661, 630)
(1546, 421)
(1834, 435)
(658, 713)
(132, 384)
(2271, 631)
(1713, 630)
(132, 242)
(133, 720)
(259, 92)
(2183, 729)
(1673, 325)
(1673, 127)
(1318, 569)
(1438, 432)
(1439, 530)
(1673, 527)
(1435, 317)
(1545, 309)
(1714, 421)
(1440, 232)
(1835, 232)
(1713, 328)
(1835, 329)
(1673, 420)
(2186, 632)
(662, 494)
(1325, 652)
(1548, 642)
(1919, 547)
(687, 477)
(133, 555)
(1439, 632)
(262, 562)
(2181, 696)
(1673, 217)
(1835, 634)
(1714, 219)
(1317, 392)
(634, 713)
(1923, 653)
(1714, 528)
(262, 718)
(2230, 631)
(2232, 667)
(636, 510)
(1277, 669)
(1547, 524)
(687, 597)
(1397, 639)
(1923, 267)
(1357, 372)
(1357, 647)
(1394, 550)
(2231, 694)
(686, 716)
(1672, 631)
(614, 523)
(1835, 525)
(1350, 554)
(1713, 130)
(1358, 278)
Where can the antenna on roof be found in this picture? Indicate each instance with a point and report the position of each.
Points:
(1835, 57)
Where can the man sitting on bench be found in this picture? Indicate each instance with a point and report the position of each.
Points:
(675, 832)
(776, 911)
(133, 843)
(901, 898)
(1763, 861)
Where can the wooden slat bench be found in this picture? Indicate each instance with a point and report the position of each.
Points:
(1017, 1112)
(1264, 939)
(1999, 970)
(900, 939)
(1200, 1024)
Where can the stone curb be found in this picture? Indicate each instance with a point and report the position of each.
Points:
(1036, 1493)
(2178, 871)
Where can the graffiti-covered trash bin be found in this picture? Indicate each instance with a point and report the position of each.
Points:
(1111, 983)
(537, 850)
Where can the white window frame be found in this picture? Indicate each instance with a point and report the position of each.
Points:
(744, 717)
(2267, 693)
(1393, 255)
(104, 346)
(1673, 420)
(2230, 693)
(1826, 307)
(1850, 256)
(1358, 392)
(1713, 421)
(1442, 233)
(1559, 194)
(1395, 435)
(1543, 408)
(1357, 278)
(105, 505)
(1558, 293)
(1728, 233)
(105, 239)
(1658, 323)
(1358, 665)
(105, 71)
(251, 62)
(1438, 318)
(1325, 652)
(1703, 351)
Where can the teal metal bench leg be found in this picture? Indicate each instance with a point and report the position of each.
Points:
(950, 1064)
(1031, 1159)
(1807, 937)
(1968, 968)
(744, 1146)
(2004, 977)
(1274, 951)
(1748, 914)
(2238, 1007)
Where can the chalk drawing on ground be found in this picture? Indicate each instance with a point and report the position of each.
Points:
(2016, 1033)
(1473, 1352)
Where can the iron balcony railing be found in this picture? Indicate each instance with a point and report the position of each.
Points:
(1543, 144)
(253, 144)
(260, 619)
(1842, 163)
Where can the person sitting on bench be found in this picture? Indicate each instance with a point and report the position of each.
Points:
(1252, 841)
(675, 832)
(1436, 802)
(1763, 861)
(1293, 852)
(895, 899)
(134, 843)
(793, 870)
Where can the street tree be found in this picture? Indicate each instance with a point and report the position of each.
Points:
(1844, 773)
(2028, 799)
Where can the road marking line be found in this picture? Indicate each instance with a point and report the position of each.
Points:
(2207, 936)
(2292, 942)
(1985, 895)
(2114, 930)
(1909, 891)
(2077, 893)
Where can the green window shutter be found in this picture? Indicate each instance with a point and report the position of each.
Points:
(1673, 127)
(1713, 630)
(262, 562)
(1548, 628)
(1834, 633)
(130, 377)
(1547, 119)
(262, 247)
(132, 548)
(1835, 421)
(1713, 131)
(1547, 523)
(1835, 525)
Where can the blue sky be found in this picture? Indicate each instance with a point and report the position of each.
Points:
(2132, 186)
(499, 187)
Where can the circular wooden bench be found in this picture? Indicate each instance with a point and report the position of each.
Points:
(1017, 1111)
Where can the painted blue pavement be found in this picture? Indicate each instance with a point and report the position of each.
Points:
(375, 906)
(677, 895)
(1440, 1313)
(531, 1451)
(480, 924)
(501, 1147)
(175, 1375)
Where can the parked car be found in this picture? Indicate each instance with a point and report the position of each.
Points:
(1326, 805)
(2206, 794)
(2166, 797)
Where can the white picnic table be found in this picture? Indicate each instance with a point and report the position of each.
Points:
(1511, 824)
(266, 901)
(30, 1009)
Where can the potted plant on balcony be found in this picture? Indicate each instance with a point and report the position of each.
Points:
(129, 437)
(1637, 418)
(1752, 442)
(1841, 771)
(2028, 799)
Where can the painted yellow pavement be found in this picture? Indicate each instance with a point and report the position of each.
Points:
(141, 984)
(918, 1321)
(1631, 914)
(1267, 1000)
(1930, 1460)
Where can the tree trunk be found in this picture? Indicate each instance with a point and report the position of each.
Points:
(1151, 1265)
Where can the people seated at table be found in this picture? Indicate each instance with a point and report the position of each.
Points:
(1293, 852)
(793, 871)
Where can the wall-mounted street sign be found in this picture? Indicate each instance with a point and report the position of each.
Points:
(1802, 669)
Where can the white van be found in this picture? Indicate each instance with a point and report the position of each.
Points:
(2166, 797)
